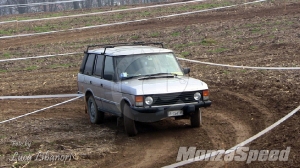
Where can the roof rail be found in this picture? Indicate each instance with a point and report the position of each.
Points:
(123, 44)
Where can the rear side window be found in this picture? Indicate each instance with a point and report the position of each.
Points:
(99, 65)
(89, 64)
(83, 63)
(108, 69)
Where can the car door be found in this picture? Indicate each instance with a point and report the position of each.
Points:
(92, 78)
(112, 91)
(96, 80)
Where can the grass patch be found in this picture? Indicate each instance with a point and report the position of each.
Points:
(185, 53)
(7, 32)
(255, 30)
(218, 50)
(226, 72)
(135, 37)
(272, 37)
(253, 47)
(184, 45)
(175, 34)
(60, 65)
(119, 16)
(208, 6)
(155, 34)
(207, 42)
(3, 71)
(30, 68)
(6, 55)
(40, 29)
(243, 70)
(146, 13)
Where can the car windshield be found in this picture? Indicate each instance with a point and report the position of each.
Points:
(147, 64)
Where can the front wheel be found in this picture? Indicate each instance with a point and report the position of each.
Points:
(129, 122)
(96, 116)
(196, 118)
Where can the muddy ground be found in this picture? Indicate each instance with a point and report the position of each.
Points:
(244, 101)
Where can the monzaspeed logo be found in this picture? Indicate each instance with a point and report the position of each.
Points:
(239, 154)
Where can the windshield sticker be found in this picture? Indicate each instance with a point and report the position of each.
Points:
(123, 75)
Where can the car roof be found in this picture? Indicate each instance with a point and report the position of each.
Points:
(129, 50)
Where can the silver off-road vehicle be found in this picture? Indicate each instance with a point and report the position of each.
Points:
(139, 82)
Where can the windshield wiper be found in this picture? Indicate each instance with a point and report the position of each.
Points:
(150, 76)
(130, 77)
(156, 74)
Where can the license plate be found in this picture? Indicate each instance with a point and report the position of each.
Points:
(175, 113)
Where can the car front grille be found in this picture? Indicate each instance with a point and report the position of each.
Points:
(173, 98)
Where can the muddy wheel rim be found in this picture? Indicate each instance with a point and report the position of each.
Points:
(92, 111)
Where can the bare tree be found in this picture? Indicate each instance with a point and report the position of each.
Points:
(99, 3)
(88, 3)
(44, 6)
(22, 9)
(76, 5)
(10, 10)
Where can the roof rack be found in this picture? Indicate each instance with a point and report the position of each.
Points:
(105, 46)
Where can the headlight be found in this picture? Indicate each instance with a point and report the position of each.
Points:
(148, 100)
(197, 96)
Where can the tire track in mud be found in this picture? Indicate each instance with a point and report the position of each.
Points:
(254, 102)
(225, 128)
(149, 153)
(241, 131)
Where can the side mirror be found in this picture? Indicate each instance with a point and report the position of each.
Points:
(186, 70)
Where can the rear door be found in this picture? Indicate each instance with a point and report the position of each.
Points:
(91, 81)
(96, 80)
(112, 91)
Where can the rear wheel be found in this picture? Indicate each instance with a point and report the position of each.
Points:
(196, 118)
(96, 116)
(129, 122)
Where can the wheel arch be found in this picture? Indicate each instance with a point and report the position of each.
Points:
(87, 94)
(123, 102)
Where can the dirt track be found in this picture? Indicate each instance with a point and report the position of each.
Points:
(244, 101)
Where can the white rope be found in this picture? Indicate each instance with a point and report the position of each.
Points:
(42, 56)
(40, 110)
(183, 59)
(40, 96)
(105, 12)
(125, 22)
(242, 67)
(37, 4)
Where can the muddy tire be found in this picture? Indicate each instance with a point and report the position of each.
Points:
(96, 116)
(196, 118)
(129, 122)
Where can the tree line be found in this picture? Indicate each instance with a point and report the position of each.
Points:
(8, 7)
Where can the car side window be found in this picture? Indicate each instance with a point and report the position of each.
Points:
(108, 68)
(89, 64)
(81, 70)
(99, 65)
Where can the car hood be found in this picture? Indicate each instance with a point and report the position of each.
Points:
(161, 85)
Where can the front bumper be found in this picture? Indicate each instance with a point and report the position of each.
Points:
(152, 114)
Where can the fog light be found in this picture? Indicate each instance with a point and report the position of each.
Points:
(149, 100)
(197, 96)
